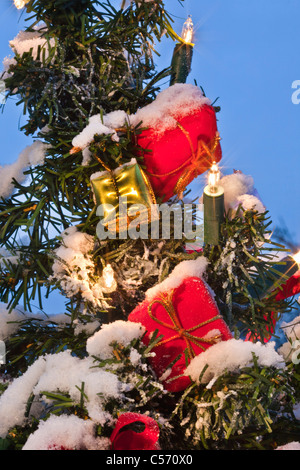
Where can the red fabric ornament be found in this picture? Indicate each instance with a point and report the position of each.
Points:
(124, 437)
(290, 288)
(179, 155)
(189, 320)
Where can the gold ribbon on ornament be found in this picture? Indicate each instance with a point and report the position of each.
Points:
(203, 153)
(166, 300)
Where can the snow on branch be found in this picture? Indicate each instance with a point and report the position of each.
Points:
(231, 356)
(32, 155)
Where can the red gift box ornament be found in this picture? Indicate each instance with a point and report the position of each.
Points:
(182, 154)
(288, 289)
(134, 431)
(176, 155)
(166, 301)
(189, 321)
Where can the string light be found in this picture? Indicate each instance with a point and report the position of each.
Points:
(188, 30)
(20, 3)
(214, 207)
(108, 279)
(213, 178)
(183, 53)
(296, 258)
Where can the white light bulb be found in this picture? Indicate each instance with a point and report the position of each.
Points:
(108, 278)
(213, 178)
(20, 3)
(296, 257)
(188, 30)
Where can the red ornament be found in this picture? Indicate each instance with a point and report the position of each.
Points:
(189, 321)
(290, 288)
(179, 155)
(124, 437)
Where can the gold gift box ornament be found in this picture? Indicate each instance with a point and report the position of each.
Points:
(122, 196)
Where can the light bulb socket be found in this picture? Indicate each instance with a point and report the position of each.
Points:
(214, 215)
(181, 65)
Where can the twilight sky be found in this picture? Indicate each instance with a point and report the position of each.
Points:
(246, 53)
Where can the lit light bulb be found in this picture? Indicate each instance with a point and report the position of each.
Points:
(188, 30)
(108, 279)
(213, 178)
(296, 258)
(20, 3)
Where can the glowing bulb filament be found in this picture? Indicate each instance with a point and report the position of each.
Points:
(108, 276)
(20, 3)
(213, 178)
(188, 30)
(108, 279)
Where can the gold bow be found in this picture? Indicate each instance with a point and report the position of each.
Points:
(166, 300)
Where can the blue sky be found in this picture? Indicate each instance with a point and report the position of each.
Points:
(246, 53)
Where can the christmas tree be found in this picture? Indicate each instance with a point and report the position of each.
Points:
(168, 339)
